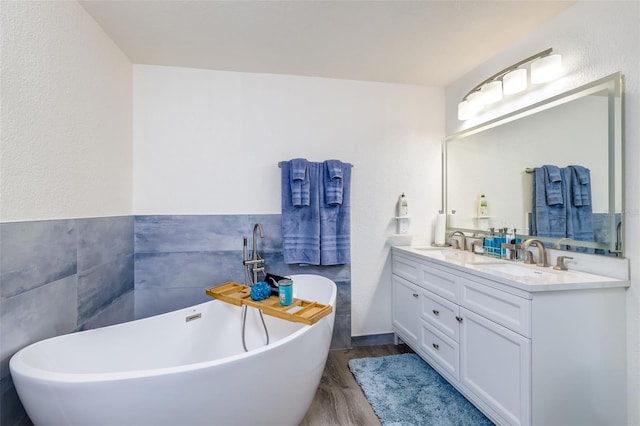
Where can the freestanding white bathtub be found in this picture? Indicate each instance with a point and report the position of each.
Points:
(165, 370)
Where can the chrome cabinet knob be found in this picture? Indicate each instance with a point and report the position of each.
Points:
(436, 312)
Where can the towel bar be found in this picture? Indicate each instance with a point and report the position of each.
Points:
(280, 164)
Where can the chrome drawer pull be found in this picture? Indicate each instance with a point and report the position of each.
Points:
(435, 346)
(436, 312)
(459, 319)
(415, 294)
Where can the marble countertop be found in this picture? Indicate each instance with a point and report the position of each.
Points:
(530, 278)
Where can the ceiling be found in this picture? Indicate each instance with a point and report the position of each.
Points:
(414, 42)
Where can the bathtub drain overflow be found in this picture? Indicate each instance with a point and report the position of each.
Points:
(193, 317)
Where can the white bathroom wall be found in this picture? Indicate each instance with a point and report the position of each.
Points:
(209, 142)
(65, 116)
(595, 38)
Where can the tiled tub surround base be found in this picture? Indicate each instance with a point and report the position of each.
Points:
(56, 277)
(178, 257)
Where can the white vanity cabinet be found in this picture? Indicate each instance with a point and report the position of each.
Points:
(406, 303)
(495, 366)
(521, 357)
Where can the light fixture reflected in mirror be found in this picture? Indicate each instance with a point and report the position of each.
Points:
(545, 67)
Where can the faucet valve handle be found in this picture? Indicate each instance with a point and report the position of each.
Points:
(529, 258)
(561, 264)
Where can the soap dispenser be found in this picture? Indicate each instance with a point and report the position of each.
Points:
(403, 206)
(483, 206)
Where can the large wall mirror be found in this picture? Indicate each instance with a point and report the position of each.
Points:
(500, 159)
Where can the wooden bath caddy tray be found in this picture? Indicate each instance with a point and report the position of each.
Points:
(299, 310)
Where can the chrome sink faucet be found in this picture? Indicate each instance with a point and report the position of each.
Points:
(542, 252)
(463, 239)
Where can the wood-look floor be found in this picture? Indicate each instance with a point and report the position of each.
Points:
(339, 399)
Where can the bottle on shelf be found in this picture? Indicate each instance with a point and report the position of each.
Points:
(403, 206)
(483, 206)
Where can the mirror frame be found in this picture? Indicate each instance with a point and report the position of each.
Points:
(613, 84)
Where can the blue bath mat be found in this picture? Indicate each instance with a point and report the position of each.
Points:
(405, 390)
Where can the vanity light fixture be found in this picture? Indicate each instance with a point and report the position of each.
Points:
(545, 67)
(475, 102)
(491, 92)
(515, 81)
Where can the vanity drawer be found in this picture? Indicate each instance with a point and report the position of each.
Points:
(441, 313)
(506, 309)
(405, 268)
(440, 349)
(441, 283)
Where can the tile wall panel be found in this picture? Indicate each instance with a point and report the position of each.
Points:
(201, 269)
(35, 253)
(101, 285)
(103, 240)
(11, 411)
(189, 233)
(120, 310)
(56, 277)
(47, 311)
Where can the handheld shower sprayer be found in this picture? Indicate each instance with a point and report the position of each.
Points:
(245, 252)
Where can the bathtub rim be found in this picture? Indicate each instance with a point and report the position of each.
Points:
(26, 370)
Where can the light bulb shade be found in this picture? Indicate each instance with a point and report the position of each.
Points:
(515, 81)
(475, 102)
(546, 69)
(491, 92)
(464, 111)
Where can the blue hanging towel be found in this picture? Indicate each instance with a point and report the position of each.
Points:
(581, 186)
(301, 225)
(333, 182)
(579, 216)
(299, 181)
(548, 220)
(553, 185)
(335, 218)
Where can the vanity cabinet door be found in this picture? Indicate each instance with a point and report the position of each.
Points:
(495, 364)
(405, 307)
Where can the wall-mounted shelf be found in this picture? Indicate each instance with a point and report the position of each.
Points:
(403, 224)
(299, 310)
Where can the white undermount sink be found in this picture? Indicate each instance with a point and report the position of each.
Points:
(443, 252)
(511, 269)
